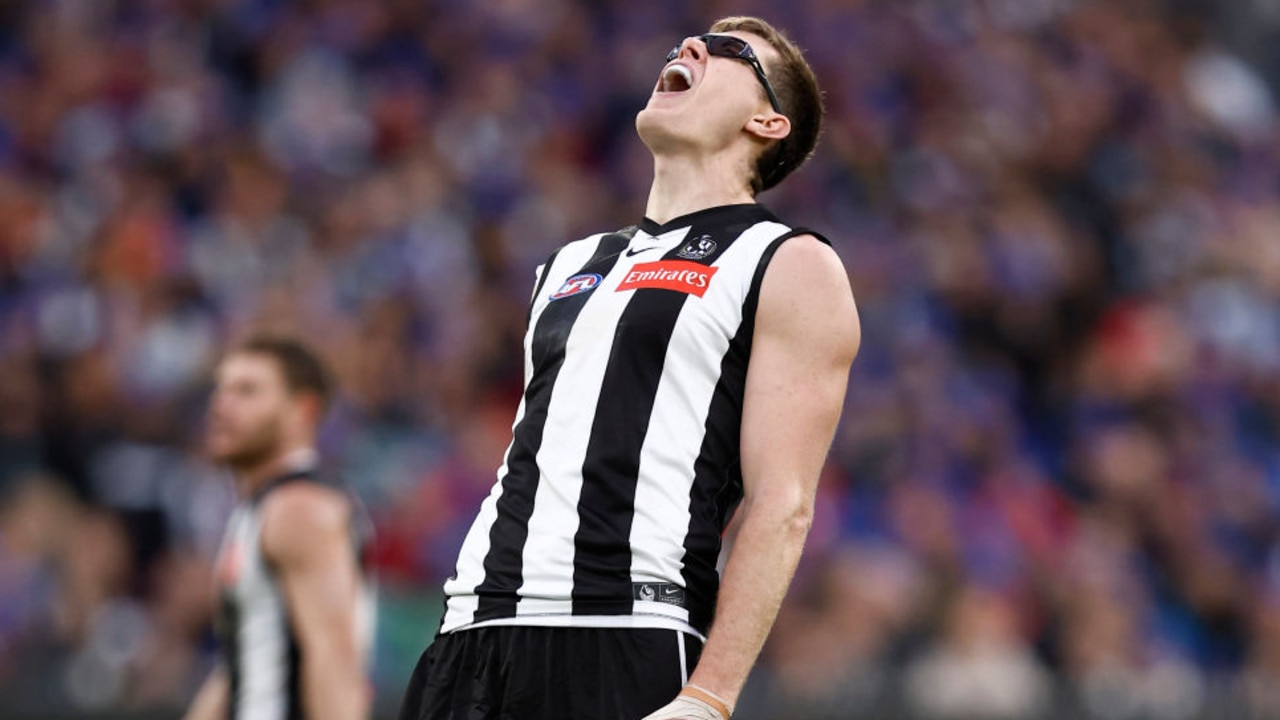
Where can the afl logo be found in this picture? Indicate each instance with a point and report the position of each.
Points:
(577, 284)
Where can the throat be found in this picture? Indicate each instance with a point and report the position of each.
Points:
(686, 185)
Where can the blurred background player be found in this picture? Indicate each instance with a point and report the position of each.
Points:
(295, 612)
(674, 369)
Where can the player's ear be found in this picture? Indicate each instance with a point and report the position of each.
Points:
(769, 125)
(311, 408)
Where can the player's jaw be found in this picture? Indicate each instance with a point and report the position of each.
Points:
(243, 444)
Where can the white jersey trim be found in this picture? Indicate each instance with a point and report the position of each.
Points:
(607, 622)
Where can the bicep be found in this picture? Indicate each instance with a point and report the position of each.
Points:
(319, 575)
(805, 338)
(322, 594)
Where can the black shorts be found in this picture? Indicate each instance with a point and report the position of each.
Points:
(549, 673)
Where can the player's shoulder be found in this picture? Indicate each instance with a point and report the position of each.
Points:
(806, 290)
(306, 500)
(297, 513)
(800, 245)
(806, 256)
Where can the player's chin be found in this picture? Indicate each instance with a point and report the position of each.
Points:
(661, 103)
(221, 449)
(659, 125)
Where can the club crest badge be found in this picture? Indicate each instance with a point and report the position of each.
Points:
(698, 248)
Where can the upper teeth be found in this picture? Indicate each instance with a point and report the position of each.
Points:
(680, 70)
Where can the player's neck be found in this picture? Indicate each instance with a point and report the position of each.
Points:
(293, 457)
(684, 184)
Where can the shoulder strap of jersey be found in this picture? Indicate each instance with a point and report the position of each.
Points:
(793, 232)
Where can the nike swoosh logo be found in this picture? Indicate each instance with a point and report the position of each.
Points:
(670, 591)
(637, 252)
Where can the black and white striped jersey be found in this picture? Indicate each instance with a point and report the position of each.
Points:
(257, 645)
(623, 469)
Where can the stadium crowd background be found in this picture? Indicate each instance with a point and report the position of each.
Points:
(1056, 486)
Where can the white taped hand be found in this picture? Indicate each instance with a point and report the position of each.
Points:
(686, 708)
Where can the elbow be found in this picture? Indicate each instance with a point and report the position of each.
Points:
(799, 520)
(790, 516)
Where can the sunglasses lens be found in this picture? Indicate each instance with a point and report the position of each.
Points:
(725, 45)
(718, 45)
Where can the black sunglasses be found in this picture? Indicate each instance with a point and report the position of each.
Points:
(730, 46)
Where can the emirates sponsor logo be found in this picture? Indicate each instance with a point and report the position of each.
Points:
(679, 275)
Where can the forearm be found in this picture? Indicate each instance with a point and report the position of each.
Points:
(212, 701)
(334, 686)
(756, 577)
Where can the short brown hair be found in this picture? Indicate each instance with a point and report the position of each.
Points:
(301, 367)
(797, 89)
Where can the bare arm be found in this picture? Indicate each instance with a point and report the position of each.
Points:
(806, 337)
(212, 702)
(306, 538)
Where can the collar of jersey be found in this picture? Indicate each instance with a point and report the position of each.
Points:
(288, 475)
(719, 215)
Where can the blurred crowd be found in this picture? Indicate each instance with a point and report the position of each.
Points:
(1056, 485)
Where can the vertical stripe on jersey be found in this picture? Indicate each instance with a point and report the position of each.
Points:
(714, 496)
(264, 653)
(229, 639)
(293, 679)
(628, 395)
(503, 566)
(602, 547)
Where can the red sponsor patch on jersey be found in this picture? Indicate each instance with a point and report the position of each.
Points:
(679, 275)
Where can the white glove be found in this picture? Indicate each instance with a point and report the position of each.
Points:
(690, 705)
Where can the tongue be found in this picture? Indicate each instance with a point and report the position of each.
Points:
(673, 81)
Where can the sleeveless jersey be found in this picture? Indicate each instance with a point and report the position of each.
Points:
(257, 645)
(623, 468)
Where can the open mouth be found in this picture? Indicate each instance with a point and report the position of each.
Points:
(675, 78)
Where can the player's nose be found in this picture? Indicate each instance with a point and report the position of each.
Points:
(692, 48)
